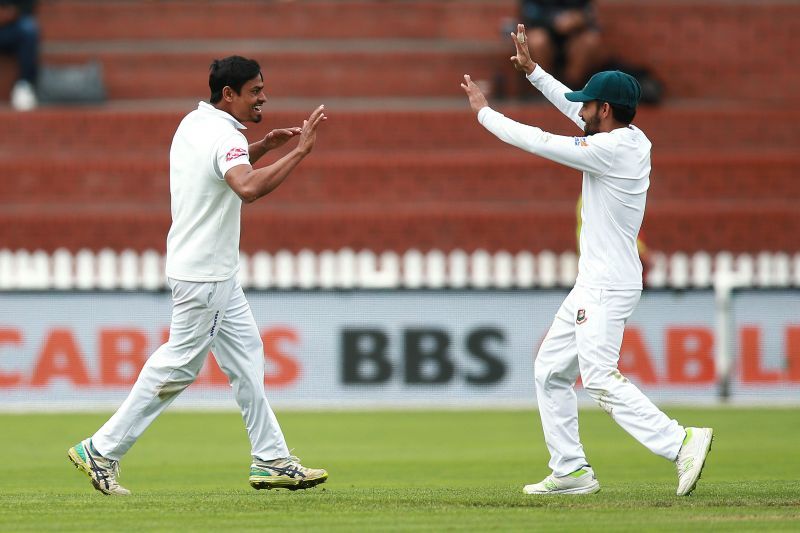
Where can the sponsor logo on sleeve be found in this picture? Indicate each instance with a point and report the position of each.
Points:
(235, 153)
(581, 141)
(581, 318)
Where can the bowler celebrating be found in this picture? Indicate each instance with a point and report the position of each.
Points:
(586, 334)
(210, 176)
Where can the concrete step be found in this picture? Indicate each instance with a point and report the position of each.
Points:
(78, 20)
(730, 50)
(92, 130)
(686, 227)
(168, 72)
(349, 177)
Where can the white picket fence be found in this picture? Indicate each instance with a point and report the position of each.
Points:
(349, 269)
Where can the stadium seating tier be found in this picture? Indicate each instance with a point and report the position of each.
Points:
(402, 163)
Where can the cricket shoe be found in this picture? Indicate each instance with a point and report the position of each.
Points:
(286, 473)
(692, 457)
(103, 472)
(581, 481)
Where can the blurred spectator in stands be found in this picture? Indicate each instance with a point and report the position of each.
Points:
(564, 38)
(19, 36)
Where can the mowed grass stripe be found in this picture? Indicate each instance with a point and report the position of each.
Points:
(396, 471)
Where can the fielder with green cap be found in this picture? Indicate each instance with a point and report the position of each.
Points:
(586, 334)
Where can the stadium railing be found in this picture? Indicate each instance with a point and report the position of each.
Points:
(349, 269)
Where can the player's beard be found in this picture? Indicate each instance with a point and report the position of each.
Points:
(591, 125)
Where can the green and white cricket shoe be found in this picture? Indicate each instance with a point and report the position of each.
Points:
(581, 481)
(286, 473)
(103, 472)
(692, 458)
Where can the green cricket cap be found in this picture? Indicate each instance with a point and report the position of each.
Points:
(610, 86)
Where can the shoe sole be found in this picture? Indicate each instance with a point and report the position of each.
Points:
(259, 483)
(79, 463)
(591, 489)
(83, 466)
(702, 466)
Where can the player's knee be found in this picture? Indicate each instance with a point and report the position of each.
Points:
(254, 345)
(174, 386)
(544, 375)
(595, 392)
(540, 376)
(598, 382)
(248, 389)
(541, 372)
(244, 394)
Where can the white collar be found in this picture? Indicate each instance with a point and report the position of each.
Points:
(205, 107)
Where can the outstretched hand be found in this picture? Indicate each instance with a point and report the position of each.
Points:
(477, 100)
(522, 60)
(308, 133)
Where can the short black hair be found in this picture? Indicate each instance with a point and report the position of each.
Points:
(231, 71)
(623, 114)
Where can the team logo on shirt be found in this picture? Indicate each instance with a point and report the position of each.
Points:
(235, 153)
(581, 141)
(581, 318)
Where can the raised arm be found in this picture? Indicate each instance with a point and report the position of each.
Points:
(588, 154)
(554, 91)
(550, 87)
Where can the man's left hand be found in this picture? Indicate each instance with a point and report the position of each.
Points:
(277, 138)
(476, 99)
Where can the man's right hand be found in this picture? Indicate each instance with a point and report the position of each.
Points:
(477, 100)
(522, 60)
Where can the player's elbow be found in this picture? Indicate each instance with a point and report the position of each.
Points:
(247, 195)
(244, 187)
(243, 190)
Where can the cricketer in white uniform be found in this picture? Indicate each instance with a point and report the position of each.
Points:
(210, 176)
(586, 334)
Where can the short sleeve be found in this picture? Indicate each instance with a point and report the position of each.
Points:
(231, 151)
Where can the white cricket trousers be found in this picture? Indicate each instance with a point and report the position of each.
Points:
(585, 338)
(205, 316)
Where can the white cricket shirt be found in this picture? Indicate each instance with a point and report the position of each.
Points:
(203, 241)
(616, 176)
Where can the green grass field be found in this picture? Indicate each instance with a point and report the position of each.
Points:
(390, 471)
